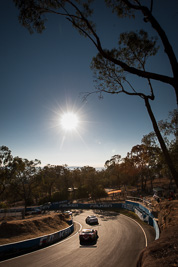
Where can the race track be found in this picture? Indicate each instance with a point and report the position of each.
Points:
(120, 241)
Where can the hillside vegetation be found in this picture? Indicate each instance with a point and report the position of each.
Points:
(164, 251)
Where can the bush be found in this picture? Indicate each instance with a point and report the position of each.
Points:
(3, 205)
(59, 196)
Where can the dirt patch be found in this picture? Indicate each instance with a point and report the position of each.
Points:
(164, 251)
(17, 230)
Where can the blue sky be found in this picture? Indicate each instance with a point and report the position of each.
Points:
(43, 76)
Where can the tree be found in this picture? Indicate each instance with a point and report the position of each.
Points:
(141, 157)
(89, 177)
(48, 179)
(112, 66)
(23, 178)
(5, 159)
(129, 171)
(168, 129)
(113, 169)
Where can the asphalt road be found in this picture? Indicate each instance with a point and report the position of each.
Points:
(120, 241)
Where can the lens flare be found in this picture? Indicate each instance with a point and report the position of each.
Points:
(69, 121)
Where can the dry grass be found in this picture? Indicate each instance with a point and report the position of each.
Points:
(17, 230)
(164, 251)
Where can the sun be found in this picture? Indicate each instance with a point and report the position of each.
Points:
(69, 121)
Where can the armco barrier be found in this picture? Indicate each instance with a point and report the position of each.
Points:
(131, 205)
(142, 215)
(155, 225)
(35, 243)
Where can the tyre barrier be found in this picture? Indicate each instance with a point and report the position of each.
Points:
(18, 248)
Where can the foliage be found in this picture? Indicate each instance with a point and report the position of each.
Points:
(168, 128)
(82, 192)
(5, 160)
(134, 48)
(3, 205)
(23, 178)
(59, 196)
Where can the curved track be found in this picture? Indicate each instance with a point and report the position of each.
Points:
(120, 242)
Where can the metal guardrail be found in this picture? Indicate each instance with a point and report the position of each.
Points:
(17, 248)
(136, 205)
(143, 200)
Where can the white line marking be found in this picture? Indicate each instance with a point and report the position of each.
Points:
(57, 243)
(146, 241)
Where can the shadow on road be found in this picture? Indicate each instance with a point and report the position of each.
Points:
(88, 246)
(106, 215)
(77, 212)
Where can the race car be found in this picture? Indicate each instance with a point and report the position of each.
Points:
(67, 212)
(91, 219)
(88, 236)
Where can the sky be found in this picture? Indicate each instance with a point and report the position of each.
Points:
(43, 76)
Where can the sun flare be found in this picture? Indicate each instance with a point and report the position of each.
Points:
(69, 121)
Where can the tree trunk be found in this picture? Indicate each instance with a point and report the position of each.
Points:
(168, 159)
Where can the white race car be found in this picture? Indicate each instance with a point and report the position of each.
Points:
(91, 219)
(67, 212)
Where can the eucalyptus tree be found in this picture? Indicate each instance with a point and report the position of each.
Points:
(5, 160)
(112, 66)
(47, 180)
(77, 178)
(54, 179)
(65, 181)
(88, 174)
(129, 171)
(168, 128)
(114, 171)
(23, 178)
(91, 183)
(83, 179)
(140, 155)
(122, 171)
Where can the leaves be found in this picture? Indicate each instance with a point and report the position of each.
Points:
(121, 8)
(137, 47)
